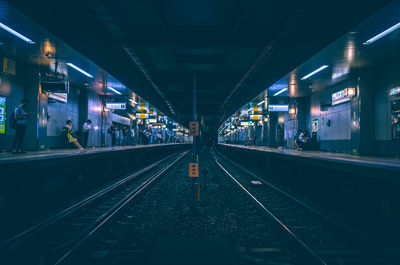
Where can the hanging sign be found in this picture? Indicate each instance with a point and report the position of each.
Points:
(62, 97)
(142, 115)
(278, 108)
(115, 105)
(340, 97)
(256, 117)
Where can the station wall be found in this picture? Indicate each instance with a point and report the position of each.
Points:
(11, 87)
(59, 113)
(20, 83)
(334, 123)
(387, 77)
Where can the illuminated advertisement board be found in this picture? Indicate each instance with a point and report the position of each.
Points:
(395, 91)
(2, 115)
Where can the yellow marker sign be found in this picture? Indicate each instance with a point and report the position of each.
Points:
(193, 170)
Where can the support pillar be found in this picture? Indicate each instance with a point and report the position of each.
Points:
(366, 111)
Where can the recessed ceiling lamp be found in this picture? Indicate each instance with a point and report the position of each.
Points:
(19, 35)
(79, 70)
(114, 90)
(314, 72)
(382, 34)
(280, 91)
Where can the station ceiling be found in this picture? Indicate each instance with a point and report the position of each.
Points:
(236, 49)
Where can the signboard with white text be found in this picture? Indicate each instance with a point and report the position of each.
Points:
(278, 108)
(62, 97)
(116, 105)
(340, 97)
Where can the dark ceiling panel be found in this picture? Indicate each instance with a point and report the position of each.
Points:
(235, 48)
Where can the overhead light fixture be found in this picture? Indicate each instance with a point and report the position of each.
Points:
(79, 70)
(261, 103)
(134, 102)
(19, 35)
(280, 92)
(382, 34)
(114, 90)
(315, 72)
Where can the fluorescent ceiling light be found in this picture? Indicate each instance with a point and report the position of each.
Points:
(261, 103)
(114, 90)
(315, 72)
(79, 70)
(382, 34)
(280, 91)
(134, 102)
(19, 35)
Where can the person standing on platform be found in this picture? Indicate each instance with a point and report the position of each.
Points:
(18, 121)
(125, 134)
(111, 131)
(254, 139)
(87, 126)
(159, 138)
(132, 131)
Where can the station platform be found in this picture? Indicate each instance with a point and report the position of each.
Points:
(369, 161)
(7, 157)
(50, 178)
(362, 188)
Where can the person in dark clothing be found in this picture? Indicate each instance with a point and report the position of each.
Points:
(280, 136)
(20, 126)
(111, 131)
(307, 140)
(87, 126)
(125, 134)
(254, 139)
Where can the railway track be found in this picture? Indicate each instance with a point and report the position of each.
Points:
(318, 239)
(54, 239)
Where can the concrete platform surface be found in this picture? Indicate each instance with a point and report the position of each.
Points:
(371, 161)
(8, 157)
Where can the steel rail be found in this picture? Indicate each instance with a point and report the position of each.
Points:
(316, 258)
(116, 208)
(368, 245)
(71, 209)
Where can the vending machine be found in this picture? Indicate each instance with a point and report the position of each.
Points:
(3, 115)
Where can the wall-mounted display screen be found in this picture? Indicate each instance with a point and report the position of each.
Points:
(3, 115)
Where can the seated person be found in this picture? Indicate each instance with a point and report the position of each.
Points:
(299, 140)
(71, 139)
